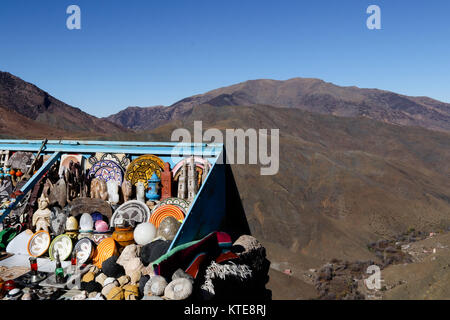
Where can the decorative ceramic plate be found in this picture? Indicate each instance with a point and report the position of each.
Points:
(105, 250)
(39, 243)
(107, 170)
(61, 244)
(85, 250)
(142, 168)
(131, 212)
(120, 158)
(165, 211)
(99, 237)
(180, 203)
(200, 164)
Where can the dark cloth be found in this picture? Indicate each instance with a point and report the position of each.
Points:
(91, 286)
(153, 251)
(111, 268)
(142, 283)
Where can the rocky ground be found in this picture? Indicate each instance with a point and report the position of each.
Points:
(427, 277)
(413, 265)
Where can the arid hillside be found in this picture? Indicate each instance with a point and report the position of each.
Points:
(27, 111)
(312, 95)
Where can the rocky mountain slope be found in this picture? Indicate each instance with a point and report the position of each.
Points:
(342, 183)
(306, 94)
(26, 110)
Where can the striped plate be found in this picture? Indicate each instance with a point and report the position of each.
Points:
(105, 250)
(165, 211)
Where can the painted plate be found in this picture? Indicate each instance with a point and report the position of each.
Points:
(132, 212)
(142, 168)
(120, 158)
(180, 203)
(105, 250)
(99, 237)
(61, 244)
(85, 250)
(107, 170)
(165, 211)
(39, 243)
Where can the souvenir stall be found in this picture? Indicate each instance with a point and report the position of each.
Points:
(89, 220)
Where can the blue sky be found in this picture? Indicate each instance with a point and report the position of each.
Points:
(144, 53)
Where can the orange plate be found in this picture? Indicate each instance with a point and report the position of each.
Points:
(165, 211)
(105, 250)
(42, 246)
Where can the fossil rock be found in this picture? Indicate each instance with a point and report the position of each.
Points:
(178, 289)
(155, 286)
(127, 190)
(99, 189)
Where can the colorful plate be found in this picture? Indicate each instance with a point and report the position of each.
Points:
(39, 243)
(85, 250)
(142, 168)
(180, 203)
(61, 244)
(165, 211)
(105, 250)
(132, 212)
(120, 158)
(107, 170)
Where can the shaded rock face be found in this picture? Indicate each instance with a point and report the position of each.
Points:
(306, 94)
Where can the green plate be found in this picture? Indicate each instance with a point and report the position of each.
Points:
(63, 244)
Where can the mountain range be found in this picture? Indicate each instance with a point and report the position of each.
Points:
(356, 165)
(304, 94)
